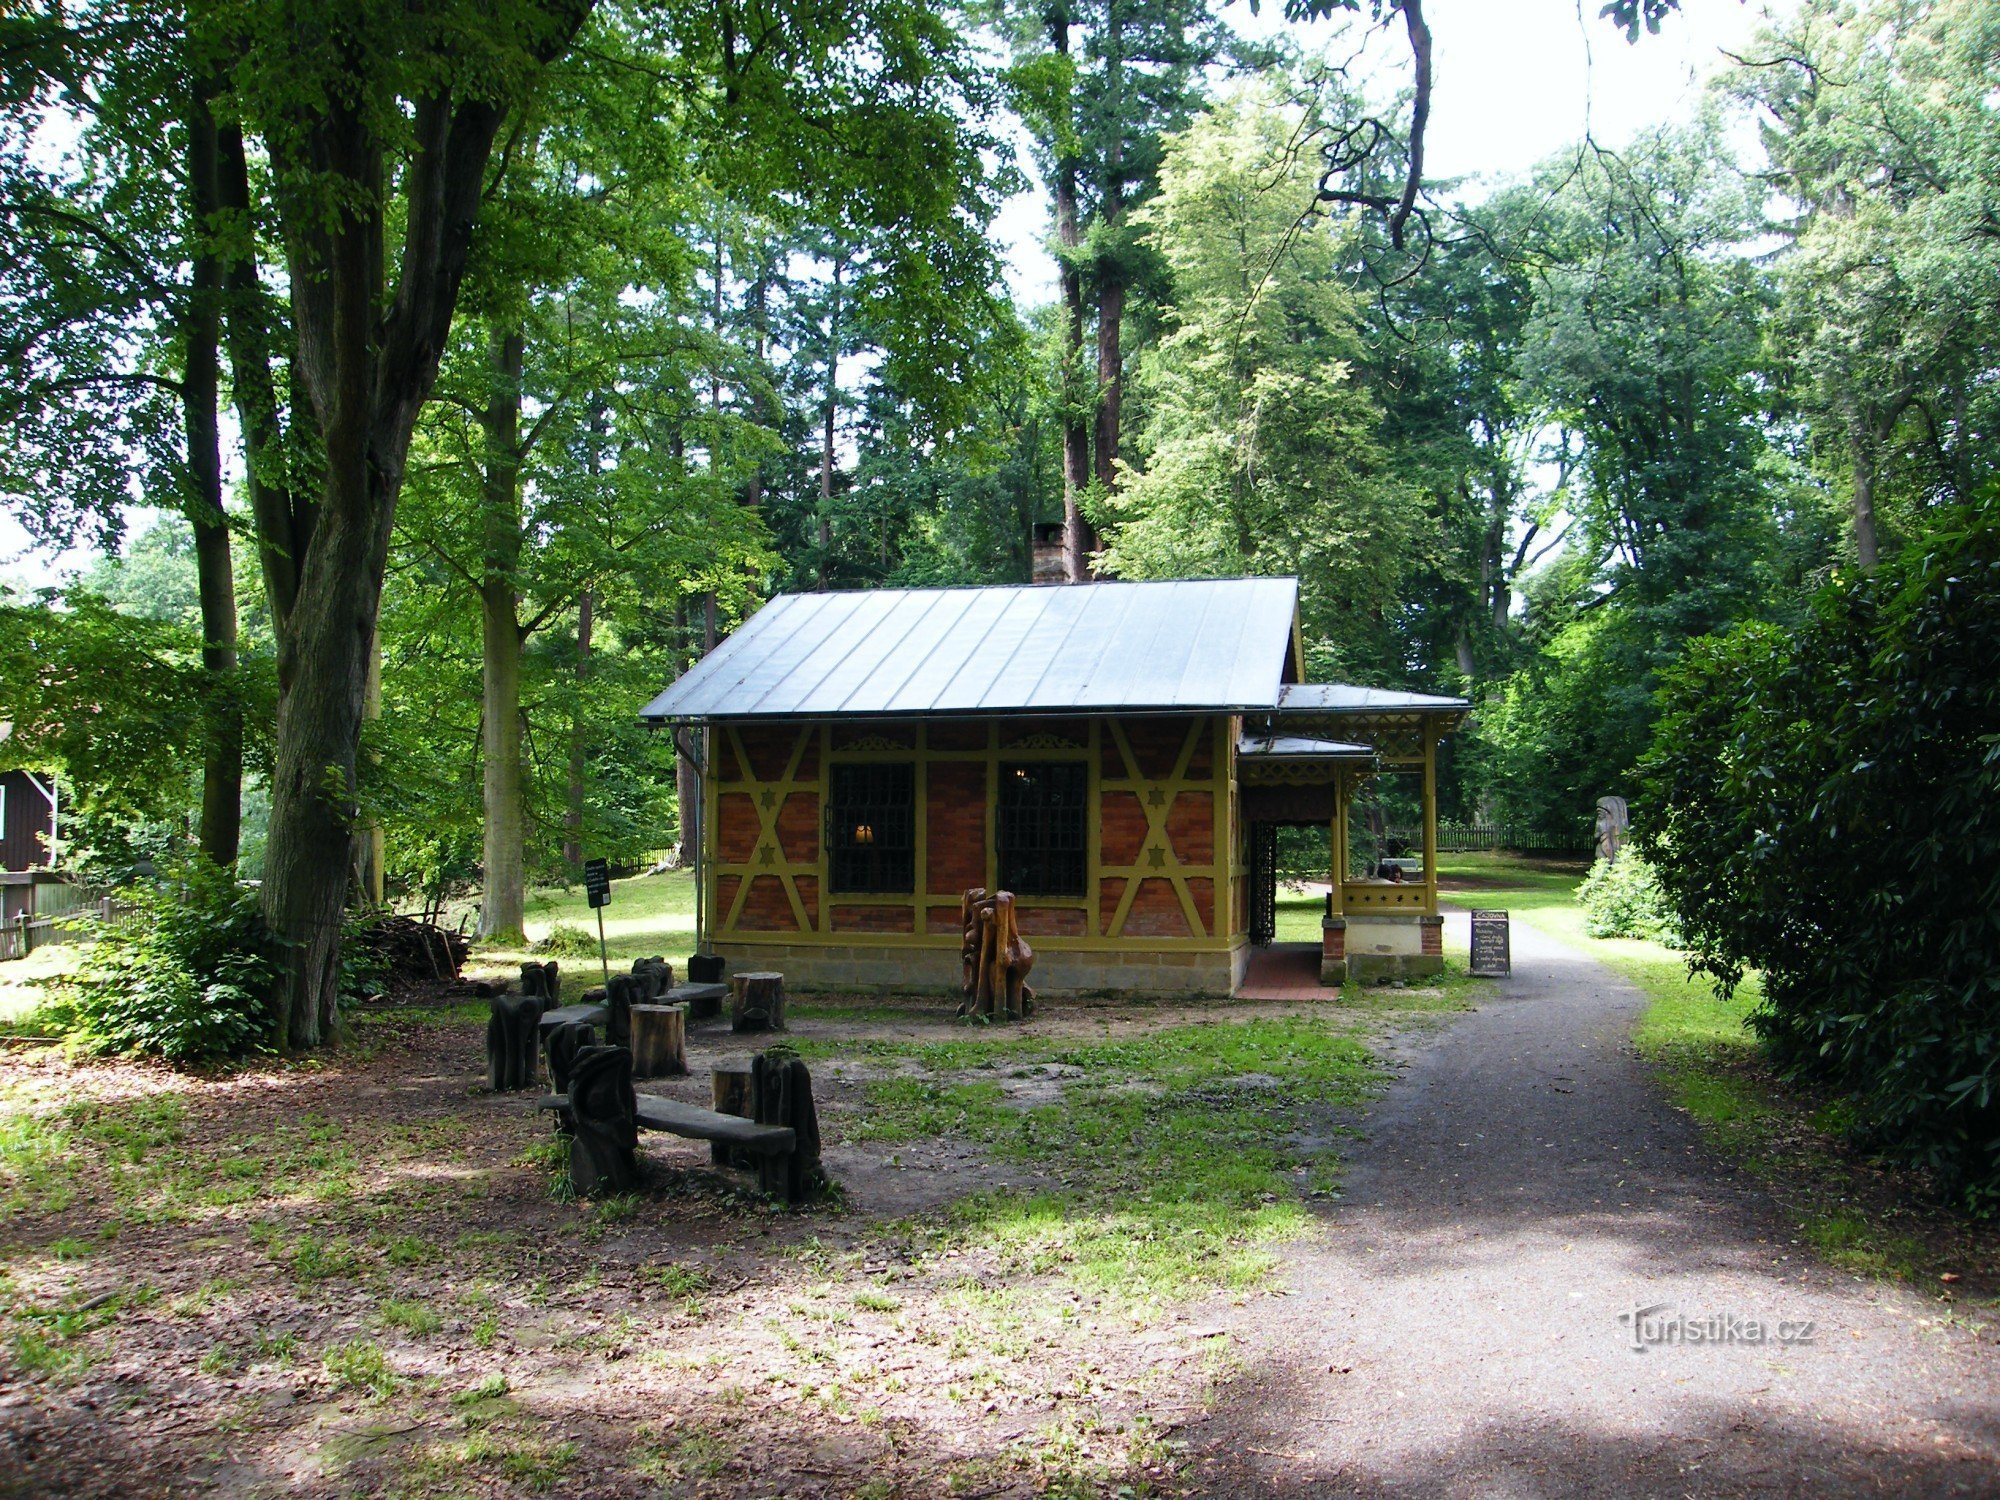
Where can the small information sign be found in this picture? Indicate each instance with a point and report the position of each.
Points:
(1491, 955)
(597, 882)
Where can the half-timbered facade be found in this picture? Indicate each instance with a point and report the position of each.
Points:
(1112, 753)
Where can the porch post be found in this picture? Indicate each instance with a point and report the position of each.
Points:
(1333, 926)
(1430, 818)
(1337, 841)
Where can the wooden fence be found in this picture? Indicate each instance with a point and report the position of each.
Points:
(62, 914)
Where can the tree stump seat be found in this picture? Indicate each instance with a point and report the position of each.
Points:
(757, 1002)
(659, 1040)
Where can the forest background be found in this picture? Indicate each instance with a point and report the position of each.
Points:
(736, 319)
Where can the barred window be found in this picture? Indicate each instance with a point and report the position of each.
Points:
(871, 832)
(1045, 828)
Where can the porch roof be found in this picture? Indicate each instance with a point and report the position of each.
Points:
(1268, 747)
(1345, 698)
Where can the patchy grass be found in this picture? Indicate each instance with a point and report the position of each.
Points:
(648, 914)
(353, 1262)
(1174, 1162)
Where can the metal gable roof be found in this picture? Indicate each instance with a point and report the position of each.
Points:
(1196, 644)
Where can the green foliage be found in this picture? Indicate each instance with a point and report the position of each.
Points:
(567, 940)
(1823, 805)
(188, 976)
(1259, 452)
(1622, 898)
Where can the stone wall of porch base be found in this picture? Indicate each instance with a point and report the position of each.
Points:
(1382, 946)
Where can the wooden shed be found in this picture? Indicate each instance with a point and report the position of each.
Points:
(1118, 755)
(27, 821)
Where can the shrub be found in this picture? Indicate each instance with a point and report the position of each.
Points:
(1823, 805)
(188, 975)
(567, 940)
(1622, 898)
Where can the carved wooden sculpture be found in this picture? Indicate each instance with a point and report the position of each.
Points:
(542, 979)
(564, 1043)
(757, 1002)
(781, 1094)
(511, 1037)
(620, 991)
(655, 977)
(604, 1129)
(995, 957)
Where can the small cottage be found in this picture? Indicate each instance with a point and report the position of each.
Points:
(1118, 755)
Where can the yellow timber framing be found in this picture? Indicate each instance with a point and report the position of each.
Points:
(1056, 740)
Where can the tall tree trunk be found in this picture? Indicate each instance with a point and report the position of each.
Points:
(1862, 446)
(503, 909)
(828, 418)
(586, 604)
(222, 733)
(687, 783)
(1078, 540)
(283, 524)
(365, 364)
(1110, 376)
(1110, 268)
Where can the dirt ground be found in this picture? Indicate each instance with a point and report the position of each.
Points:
(349, 1276)
(1374, 1247)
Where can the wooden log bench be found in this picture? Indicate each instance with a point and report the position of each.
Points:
(587, 1015)
(702, 1000)
(784, 1156)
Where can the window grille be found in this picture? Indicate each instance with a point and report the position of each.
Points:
(871, 834)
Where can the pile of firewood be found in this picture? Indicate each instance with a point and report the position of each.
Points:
(413, 952)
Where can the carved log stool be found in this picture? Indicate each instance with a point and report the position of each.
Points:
(542, 979)
(563, 1044)
(781, 1094)
(757, 1002)
(604, 1131)
(511, 1034)
(655, 976)
(659, 1041)
(619, 993)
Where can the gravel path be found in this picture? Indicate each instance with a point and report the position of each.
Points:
(1457, 1329)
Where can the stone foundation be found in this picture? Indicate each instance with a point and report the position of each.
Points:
(922, 971)
(1383, 946)
(1333, 950)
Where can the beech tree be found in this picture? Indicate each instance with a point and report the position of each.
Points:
(112, 281)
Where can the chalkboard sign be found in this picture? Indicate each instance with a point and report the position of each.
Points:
(597, 882)
(1491, 955)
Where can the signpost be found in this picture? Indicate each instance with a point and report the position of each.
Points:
(597, 886)
(1492, 957)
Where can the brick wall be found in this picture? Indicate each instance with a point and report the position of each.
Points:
(1156, 912)
(1050, 921)
(1121, 828)
(736, 828)
(955, 817)
(872, 918)
(766, 908)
